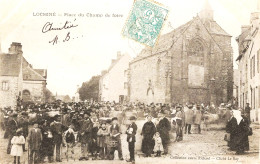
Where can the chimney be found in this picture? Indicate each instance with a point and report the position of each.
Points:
(118, 54)
(15, 48)
(113, 61)
(244, 28)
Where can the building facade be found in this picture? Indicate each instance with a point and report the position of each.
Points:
(113, 82)
(19, 79)
(192, 63)
(249, 65)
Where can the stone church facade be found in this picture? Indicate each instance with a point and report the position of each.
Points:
(192, 63)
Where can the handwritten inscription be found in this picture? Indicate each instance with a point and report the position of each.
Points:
(49, 26)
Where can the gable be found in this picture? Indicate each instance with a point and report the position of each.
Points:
(31, 75)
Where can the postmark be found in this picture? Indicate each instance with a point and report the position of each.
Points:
(145, 22)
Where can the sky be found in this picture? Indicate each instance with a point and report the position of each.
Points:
(96, 40)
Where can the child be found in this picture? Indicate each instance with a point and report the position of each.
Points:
(17, 149)
(131, 131)
(115, 133)
(158, 147)
(102, 134)
(70, 140)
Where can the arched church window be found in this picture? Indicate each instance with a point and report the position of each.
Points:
(196, 49)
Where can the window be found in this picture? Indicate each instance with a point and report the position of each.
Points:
(258, 61)
(251, 70)
(5, 85)
(253, 62)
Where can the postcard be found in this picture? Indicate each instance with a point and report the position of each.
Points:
(133, 81)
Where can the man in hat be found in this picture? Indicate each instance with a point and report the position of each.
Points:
(131, 131)
(85, 136)
(34, 143)
(164, 127)
(115, 132)
(189, 118)
(247, 112)
(57, 129)
(180, 122)
(148, 132)
(198, 117)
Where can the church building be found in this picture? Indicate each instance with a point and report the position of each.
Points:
(193, 63)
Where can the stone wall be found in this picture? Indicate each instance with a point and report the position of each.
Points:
(8, 97)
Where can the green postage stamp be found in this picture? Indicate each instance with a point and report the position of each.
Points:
(145, 22)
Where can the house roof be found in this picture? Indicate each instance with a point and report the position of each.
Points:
(10, 64)
(30, 74)
(240, 39)
(42, 72)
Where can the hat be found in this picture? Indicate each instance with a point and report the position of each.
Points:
(190, 106)
(178, 106)
(114, 118)
(132, 118)
(14, 114)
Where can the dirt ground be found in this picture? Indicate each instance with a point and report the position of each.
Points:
(208, 147)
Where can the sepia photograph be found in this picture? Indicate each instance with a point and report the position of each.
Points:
(129, 81)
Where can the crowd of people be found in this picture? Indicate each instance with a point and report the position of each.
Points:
(96, 128)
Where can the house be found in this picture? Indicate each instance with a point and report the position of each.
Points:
(19, 79)
(249, 65)
(113, 82)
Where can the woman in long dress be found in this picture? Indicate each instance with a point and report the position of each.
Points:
(238, 128)
(148, 132)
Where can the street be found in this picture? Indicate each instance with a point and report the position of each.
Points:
(206, 147)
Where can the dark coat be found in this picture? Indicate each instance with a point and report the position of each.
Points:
(24, 123)
(134, 126)
(163, 127)
(11, 127)
(148, 132)
(35, 139)
(231, 125)
(115, 130)
(238, 135)
(47, 142)
(86, 131)
(57, 129)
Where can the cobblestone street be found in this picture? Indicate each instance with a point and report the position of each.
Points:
(197, 147)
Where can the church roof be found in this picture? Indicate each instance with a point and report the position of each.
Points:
(217, 29)
(31, 75)
(10, 65)
(166, 41)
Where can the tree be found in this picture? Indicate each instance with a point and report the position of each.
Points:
(49, 97)
(67, 98)
(89, 89)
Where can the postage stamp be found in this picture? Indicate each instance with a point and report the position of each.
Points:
(145, 22)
